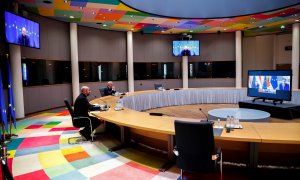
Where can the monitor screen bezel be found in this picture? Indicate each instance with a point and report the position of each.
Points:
(278, 99)
(39, 27)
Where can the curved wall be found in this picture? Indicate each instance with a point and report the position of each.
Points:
(110, 46)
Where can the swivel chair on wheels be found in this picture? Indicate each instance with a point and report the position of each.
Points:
(75, 119)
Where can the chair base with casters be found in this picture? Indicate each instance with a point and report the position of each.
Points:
(77, 139)
(80, 137)
(217, 156)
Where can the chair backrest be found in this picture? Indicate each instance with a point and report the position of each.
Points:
(71, 111)
(157, 86)
(102, 92)
(195, 145)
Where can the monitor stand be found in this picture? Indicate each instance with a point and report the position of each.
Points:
(280, 101)
(264, 99)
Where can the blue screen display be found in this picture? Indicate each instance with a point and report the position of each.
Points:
(186, 48)
(21, 31)
(270, 84)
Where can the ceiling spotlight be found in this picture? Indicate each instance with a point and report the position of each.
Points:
(261, 26)
(93, 13)
(224, 29)
(163, 31)
(104, 25)
(71, 17)
(282, 27)
(191, 31)
(132, 29)
(297, 20)
(66, 1)
(109, 9)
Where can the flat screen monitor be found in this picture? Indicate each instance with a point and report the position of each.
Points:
(186, 48)
(270, 84)
(21, 31)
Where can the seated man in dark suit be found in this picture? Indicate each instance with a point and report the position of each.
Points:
(23, 39)
(185, 51)
(82, 108)
(110, 89)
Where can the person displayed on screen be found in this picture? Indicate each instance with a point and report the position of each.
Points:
(284, 85)
(110, 89)
(185, 51)
(23, 39)
(82, 108)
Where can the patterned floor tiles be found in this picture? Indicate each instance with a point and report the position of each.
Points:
(41, 151)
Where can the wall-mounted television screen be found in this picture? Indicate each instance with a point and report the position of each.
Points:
(186, 48)
(21, 31)
(270, 84)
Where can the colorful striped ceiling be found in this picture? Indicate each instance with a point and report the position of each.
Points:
(114, 15)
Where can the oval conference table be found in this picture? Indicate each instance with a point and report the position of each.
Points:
(253, 135)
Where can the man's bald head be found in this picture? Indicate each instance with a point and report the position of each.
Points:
(85, 90)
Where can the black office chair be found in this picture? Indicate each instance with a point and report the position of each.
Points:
(157, 86)
(102, 92)
(195, 147)
(74, 119)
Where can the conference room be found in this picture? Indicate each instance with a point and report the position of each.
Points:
(228, 73)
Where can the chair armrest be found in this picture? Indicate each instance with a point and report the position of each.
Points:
(219, 152)
(175, 151)
(81, 117)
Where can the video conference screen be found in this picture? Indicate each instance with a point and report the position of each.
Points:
(270, 84)
(21, 31)
(186, 48)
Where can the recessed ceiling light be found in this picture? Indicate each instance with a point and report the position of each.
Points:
(109, 9)
(191, 30)
(282, 27)
(65, 1)
(71, 17)
(224, 29)
(131, 29)
(93, 13)
(297, 20)
(104, 25)
(163, 31)
(261, 26)
(47, 2)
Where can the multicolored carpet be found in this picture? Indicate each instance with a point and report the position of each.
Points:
(41, 151)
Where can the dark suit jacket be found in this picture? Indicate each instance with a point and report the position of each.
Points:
(82, 106)
(108, 91)
(23, 40)
(185, 52)
(285, 88)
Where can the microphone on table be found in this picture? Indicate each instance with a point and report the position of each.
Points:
(105, 106)
(205, 116)
(156, 114)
